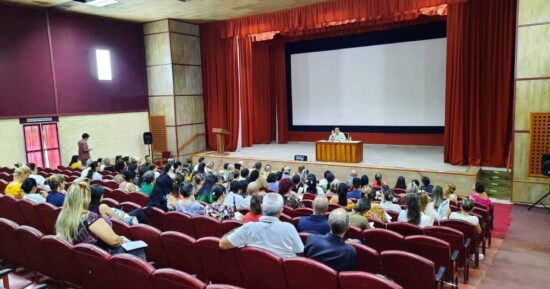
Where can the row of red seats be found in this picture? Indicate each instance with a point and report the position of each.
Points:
(86, 265)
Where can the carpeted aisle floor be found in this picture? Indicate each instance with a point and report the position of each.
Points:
(502, 213)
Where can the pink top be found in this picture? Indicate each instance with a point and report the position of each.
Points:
(479, 199)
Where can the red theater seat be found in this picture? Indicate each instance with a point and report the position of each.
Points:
(178, 222)
(3, 185)
(437, 251)
(28, 210)
(307, 203)
(155, 216)
(368, 259)
(299, 212)
(308, 196)
(382, 240)
(405, 229)
(393, 214)
(207, 227)
(110, 202)
(332, 207)
(455, 239)
(132, 272)
(306, 273)
(272, 274)
(354, 233)
(303, 237)
(218, 266)
(94, 267)
(222, 286)
(229, 225)
(11, 248)
(29, 238)
(116, 195)
(377, 223)
(111, 185)
(121, 228)
(181, 253)
(137, 198)
(362, 280)
(62, 260)
(409, 270)
(285, 218)
(129, 206)
(10, 209)
(470, 235)
(151, 236)
(289, 211)
(174, 279)
(48, 214)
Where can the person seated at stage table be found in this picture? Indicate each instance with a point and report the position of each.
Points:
(337, 136)
(268, 233)
(318, 222)
(479, 195)
(331, 249)
(355, 193)
(426, 187)
(291, 199)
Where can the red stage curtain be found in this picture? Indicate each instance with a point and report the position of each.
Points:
(479, 93)
(262, 102)
(245, 90)
(278, 89)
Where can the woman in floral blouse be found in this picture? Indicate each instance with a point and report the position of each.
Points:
(217, 209)
(376, 211)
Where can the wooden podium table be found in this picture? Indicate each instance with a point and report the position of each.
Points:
(220, 140)
(344, 152)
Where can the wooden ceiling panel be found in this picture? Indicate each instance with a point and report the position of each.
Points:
(198, 11)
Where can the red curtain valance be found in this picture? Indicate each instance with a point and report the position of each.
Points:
(325, 14)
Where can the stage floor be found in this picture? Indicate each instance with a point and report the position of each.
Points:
(395, 156)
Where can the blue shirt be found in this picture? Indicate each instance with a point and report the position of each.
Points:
(273, 187)
(332, 251)
(355, 194)
(314, 224)
(55, 198)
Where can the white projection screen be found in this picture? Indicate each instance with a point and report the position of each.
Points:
(398, 84)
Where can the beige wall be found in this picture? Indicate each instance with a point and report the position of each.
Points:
(111, 134)
(532, 93)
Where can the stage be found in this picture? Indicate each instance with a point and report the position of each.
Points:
(392, 161)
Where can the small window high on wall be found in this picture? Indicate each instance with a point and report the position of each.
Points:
(42, 144)
(103, 59)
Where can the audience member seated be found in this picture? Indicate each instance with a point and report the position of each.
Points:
(120, 168)
(91, 172)
(76, 224)
(412, 188)
(253, 176)
(331, 249)
(148, 183)
(464, 215)
(268, 233)
(427, 206)
(161, 190)
(426, 187)
(413, 214)
(448, 196)
(376, 211)
(56, 195)
(310, 186)
(400, 184)
(105, 211)
(332, 191)
(356, 192)
(356, 217)
(316, 223)
(128, 185)
(188, 204)
(378, 183)
(251, 190)
(479, 195)
(108, 165)
(352, 175)
(40, 180)
(290, 197)
(437, 199)
(235, 195)
(204, 193)
(387, 202)
(217, 209)
(14, 187)
(75, 163)
(30, 191)
(255, 209)
(262, 186)
(364, 181)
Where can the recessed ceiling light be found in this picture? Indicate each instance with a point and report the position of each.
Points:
(98, 3)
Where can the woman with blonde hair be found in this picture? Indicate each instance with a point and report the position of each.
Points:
(76, 224)
(14, 187)
(332, 192)
(56, 195)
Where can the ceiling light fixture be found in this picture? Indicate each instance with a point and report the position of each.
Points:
(98, 3)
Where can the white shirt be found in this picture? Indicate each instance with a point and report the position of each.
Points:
(425, 220)
(389, 206)
(337, 137)
(302, 190)
(245, 203)
(233, 200)
(270, 234)
(95, 177)
(35, 198)
(470, 219)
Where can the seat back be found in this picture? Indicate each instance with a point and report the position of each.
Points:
(289, 211)
(207, 227)
(181, 253)
(229, 225)
(218, 266)
(362, 280)
(467, 229)
(308, 196)
(285, 218)
(174, 279)
(111, 185)
(129, 206)
(222, 286)
(137, 198)
(178, 222)
(155, 216)
(452, 236)
(132, 272)
(332, 207)
(10, 210)
(116, 195)
(151, 236)
(121, 228)
(29, 238)
(307, 273)
(433, 249)
(368, 259)
(405, 229)
(393, 214)
(3, 185)
(408, 270)
(303, 237)
(11, 247)
(62, 260)
(382, 240)
(94, 267)
(110, 202)
(273, 274)
(48, 214)
(354, 233)
(307, 203)
(299, 212)
(28, 211)
(377, 223)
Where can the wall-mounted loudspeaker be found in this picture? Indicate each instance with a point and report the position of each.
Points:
(545, 166)
(147, 138)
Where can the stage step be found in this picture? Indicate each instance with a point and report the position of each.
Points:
(498, 184)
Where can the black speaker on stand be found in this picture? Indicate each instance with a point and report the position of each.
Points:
(148, 140)
(545, 170)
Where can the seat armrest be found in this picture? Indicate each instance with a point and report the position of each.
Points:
(5, 272)
(454, 255)
(440, 273)
(467, 243)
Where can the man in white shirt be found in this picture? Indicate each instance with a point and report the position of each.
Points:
(268, 233)
(337, 136)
